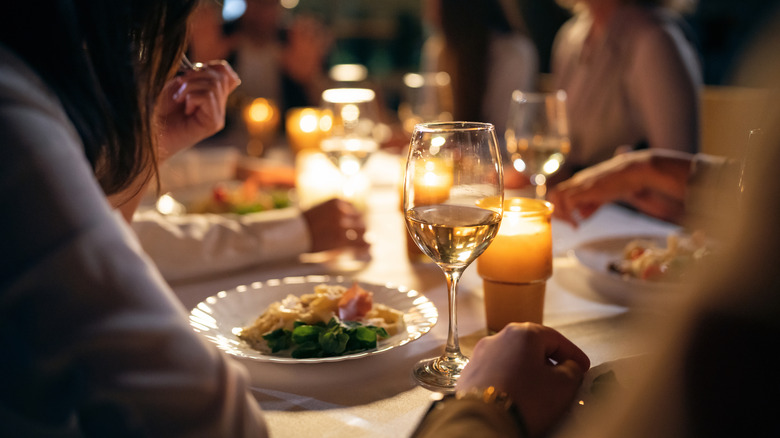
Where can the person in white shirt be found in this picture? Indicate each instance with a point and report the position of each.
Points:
(632, 77)
(191, 246)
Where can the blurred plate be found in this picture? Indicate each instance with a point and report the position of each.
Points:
(594, 257)
(219, 317)
(194, 199)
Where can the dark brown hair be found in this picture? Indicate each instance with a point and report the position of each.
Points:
(467, 26)
(107, 62)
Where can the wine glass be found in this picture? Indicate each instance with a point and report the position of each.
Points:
(426, 97)
(353, 133)
(537, 135)
(453, 197)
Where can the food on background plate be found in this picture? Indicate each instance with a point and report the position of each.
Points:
(332, 321)
(247, 197)
(646, 260)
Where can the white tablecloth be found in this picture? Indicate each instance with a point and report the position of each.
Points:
(376, 396)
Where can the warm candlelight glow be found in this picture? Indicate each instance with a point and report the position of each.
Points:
(317, 179)
(517, 264)
(522, 250)
(261, 115)
(434, 187)
(306, 127)
(261, 118)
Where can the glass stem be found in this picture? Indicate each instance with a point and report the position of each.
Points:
(452, 350)
(540, 184)
(541, 191)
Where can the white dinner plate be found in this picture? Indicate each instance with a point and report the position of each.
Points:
(218, 318)
(594, 257)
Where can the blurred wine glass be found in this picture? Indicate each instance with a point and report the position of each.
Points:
(537, 135)
(353, 136)
(427, 97)
(453, 200)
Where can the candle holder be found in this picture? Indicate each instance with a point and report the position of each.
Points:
(516, 266)
(306, 127)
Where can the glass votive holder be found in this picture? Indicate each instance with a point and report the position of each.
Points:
(305, 127)
(516, 265)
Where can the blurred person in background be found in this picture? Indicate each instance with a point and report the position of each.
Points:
(632, 74)
(280, 60)
(485, 48)
(209, 37)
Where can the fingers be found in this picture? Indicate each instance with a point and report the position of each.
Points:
(203, 92)
(353, 223)
(192, 106)
(562, 351)
(335, 224)
(574, 206)
(552, 344)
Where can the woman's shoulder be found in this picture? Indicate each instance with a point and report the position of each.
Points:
(513, 43)
(573, 32)
(642, 24)
(21, 86)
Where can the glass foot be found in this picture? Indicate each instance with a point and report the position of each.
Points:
(439, 374)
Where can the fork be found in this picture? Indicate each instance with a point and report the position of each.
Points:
(186, 64)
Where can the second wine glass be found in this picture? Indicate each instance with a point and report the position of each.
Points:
(352, 136)
(453, 196)
(537, 135)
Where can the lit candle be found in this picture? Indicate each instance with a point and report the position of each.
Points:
(521, 252)
(317, 179)
(306, 127)
(434, 185)
(517, 264)
(261, 118)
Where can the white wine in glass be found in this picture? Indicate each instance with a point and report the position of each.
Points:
(453, 171)
(537, 135)
(354, 117)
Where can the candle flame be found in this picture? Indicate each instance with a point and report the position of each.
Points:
(261, 110)
(308, 122)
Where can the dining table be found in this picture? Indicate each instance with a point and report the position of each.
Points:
(376, 395)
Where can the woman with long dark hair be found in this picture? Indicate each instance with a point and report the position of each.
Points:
(94, 342)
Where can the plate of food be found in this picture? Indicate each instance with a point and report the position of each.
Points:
(624, 267)
(313, 319)
(225, 197)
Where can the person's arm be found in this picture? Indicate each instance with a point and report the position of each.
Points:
(531, 365)
(468, 415)
(655, 181)
(190, 109)
(196, 245)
